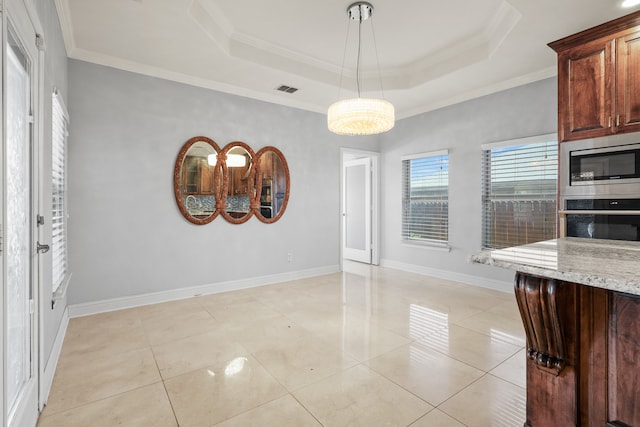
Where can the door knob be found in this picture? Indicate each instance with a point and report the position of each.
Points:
(42, 248)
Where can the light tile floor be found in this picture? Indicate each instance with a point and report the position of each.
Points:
(370, 346)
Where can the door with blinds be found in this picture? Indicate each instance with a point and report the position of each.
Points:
(356, 234)
(19, 200)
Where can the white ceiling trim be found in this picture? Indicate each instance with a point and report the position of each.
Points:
(242, 46)
(504, 21)
(474, 48)
(219, 30)
(483, 91)
(64, 16)
(149, 70)
(144, 69)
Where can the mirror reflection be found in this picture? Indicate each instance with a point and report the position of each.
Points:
(238, 182)
(274, 184)
(194, 175)
(234, 182)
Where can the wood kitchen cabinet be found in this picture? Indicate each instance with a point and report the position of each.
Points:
(238, 183)
(599, 80)
(271, 168)
(628, 83)
(274, 184)
(237, 171)
(579, 301)
(587, 374)
(197, 176)
(583, 348)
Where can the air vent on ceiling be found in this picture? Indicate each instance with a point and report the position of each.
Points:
(288, 89)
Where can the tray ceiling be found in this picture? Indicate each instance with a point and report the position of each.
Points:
(431, 54)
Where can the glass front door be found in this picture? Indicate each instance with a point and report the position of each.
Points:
(21, 369)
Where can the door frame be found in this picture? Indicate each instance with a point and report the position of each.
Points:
(347, 154)
(27, 416)
(355, 197)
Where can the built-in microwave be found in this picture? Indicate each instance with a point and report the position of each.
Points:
(593, 166)
(600, 188)
(601, 167)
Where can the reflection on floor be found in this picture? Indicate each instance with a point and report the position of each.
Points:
(370, 346)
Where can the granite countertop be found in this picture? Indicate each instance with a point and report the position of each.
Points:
(607, 264)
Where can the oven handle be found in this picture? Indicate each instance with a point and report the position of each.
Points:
(562, 214)
(597, 212)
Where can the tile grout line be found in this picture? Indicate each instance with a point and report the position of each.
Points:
(306, 409)
(164, 386)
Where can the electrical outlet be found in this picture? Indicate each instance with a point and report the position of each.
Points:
(289, 257)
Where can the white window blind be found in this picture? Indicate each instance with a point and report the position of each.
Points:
(59, 124)
(425, 198)
(519, 201)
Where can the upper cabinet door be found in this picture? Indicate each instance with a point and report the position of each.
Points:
(599, 80)
(586, 90)
(628, 63)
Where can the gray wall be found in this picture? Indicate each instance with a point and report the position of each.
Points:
(516, 113)
(55, 75)
(127, 236)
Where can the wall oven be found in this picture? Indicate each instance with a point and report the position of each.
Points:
(615, 219)
(600, 188)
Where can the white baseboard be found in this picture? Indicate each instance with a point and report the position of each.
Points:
(50, 368)
(85, 309)
(496, 285)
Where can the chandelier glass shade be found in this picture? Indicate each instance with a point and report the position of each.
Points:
(360, 116)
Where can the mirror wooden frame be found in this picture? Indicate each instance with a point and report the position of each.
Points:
(177, 172)
(255, 179)
(226, 174)
(259, 179)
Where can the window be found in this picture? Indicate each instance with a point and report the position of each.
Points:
(59, 123)
(425, 198)
(519, 199)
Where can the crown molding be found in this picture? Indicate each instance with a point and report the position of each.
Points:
(474, 48)
(213, 23)
(152, 71)
(64, 16)
(483, 91)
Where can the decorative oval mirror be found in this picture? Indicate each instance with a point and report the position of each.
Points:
(238, 179)
(272, 174)
(194, 180)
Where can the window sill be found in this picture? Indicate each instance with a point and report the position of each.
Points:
(442, 247)
(61, 292)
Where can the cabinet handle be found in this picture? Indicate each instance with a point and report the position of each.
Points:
(609, 125)
(618, 120)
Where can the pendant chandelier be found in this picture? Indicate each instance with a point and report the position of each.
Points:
(360, 116)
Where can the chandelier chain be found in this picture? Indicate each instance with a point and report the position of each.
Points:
(375, 49)
(358, 57)
(344, 56)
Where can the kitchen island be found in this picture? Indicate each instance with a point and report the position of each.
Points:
(579, 300)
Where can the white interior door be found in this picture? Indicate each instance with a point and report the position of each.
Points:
(19, 252)
(357, 210)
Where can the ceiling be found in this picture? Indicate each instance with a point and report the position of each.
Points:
(430, 53)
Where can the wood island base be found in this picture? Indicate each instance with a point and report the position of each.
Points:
(583, 354)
